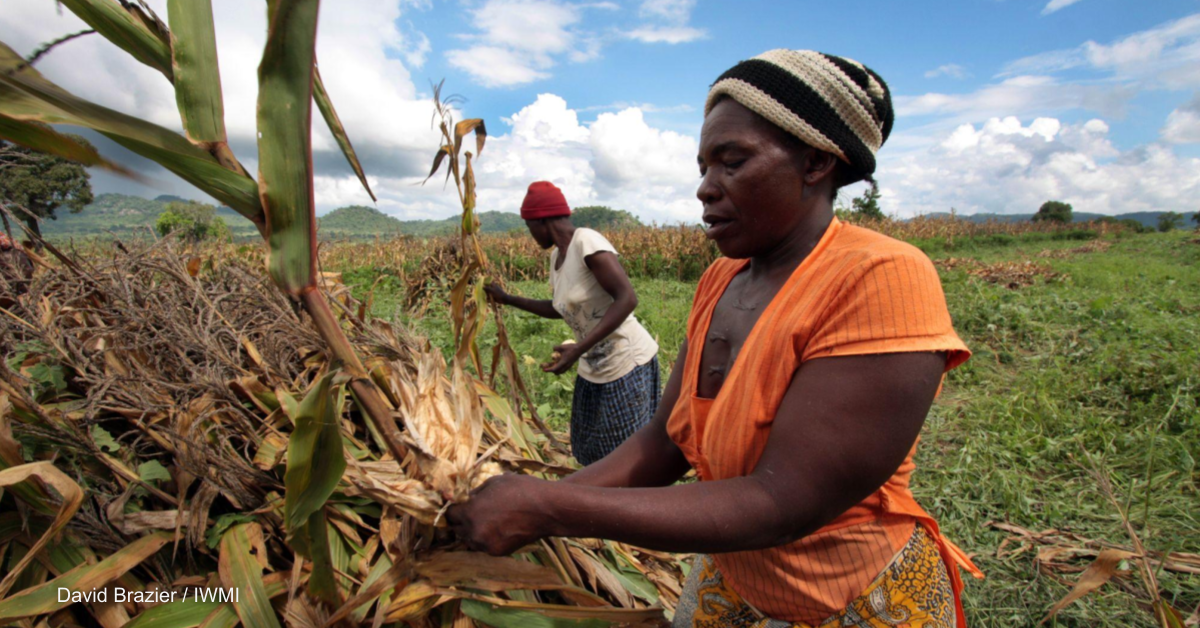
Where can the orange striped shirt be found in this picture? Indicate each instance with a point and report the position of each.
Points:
(857, 293)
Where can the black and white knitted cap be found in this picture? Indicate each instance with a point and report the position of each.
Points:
(831, 103)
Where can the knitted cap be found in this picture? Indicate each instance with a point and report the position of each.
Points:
(544, 200)
(831, 103)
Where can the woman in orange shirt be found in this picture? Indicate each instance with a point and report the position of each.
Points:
(814, 351)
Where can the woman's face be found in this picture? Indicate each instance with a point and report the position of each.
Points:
(752, 181)
(540, 230)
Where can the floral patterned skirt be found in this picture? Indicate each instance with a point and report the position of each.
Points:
(914, 591)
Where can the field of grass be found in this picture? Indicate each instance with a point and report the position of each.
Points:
(1091, 373)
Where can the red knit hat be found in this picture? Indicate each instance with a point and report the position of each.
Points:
(544, 200)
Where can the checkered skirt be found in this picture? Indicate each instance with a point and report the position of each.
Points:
(604, 415)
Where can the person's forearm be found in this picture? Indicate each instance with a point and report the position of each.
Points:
(731, 515)
(541, 307)
(612, 319)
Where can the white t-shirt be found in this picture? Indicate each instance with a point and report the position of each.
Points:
(582, 302)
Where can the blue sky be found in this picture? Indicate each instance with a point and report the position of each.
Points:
(1002, 104)
(906, 42)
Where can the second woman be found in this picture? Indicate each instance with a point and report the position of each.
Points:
(617, 388)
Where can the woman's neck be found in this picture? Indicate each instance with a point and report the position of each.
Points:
(784, 257)
(561, 231)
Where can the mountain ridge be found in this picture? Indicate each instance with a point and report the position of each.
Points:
(124, 214)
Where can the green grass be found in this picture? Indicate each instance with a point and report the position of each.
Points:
(1100, 368)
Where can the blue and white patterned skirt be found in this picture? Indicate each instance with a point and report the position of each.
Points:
(604, 415)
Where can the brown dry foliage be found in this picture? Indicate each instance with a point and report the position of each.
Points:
(195, 363)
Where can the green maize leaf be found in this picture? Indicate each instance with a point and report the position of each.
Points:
(381, 567)
(505, 617)
(335, 127)
(285, 94)
(47, 140)
(197, 77)
(178, 614)
(212, 536)
(315, 466)
(321, 584)
(27, 96)
(315, 461)
(634, 581)
(225, 616)
(34, 573)
(240, 568)
(44, 599)
(128, 28)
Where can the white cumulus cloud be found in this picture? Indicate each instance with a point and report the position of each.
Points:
(1056, 5)
(666, 22)
(520, 40)
(1007, 166)
(619, 161)
(952, 70)
(1183, 124)
(1164, 57)
(1021, 96)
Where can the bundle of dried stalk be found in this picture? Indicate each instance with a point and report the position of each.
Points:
(170, 421)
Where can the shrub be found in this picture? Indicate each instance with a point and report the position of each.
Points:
(1054, 211)
(192, 222)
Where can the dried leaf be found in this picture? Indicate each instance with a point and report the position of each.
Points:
(241, 567)
(44, 599)
(442, 153)
(72, 497)
(466, 126)
(1099, 572)
(489, 573)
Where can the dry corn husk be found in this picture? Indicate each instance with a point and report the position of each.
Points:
(205, 379)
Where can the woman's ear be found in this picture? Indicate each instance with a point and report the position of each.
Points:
(819, 166)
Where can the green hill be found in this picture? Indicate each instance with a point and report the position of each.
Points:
(357, 221)
(125, 215)
(130, 216)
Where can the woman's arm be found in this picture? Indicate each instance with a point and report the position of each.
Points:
(611, 276)
(649, 457)
(541, 307)
(844, 427)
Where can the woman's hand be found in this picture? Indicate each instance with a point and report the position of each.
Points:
(496, 293)
(568, 354)
(502, 516)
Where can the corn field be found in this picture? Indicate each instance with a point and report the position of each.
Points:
(679, 252)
